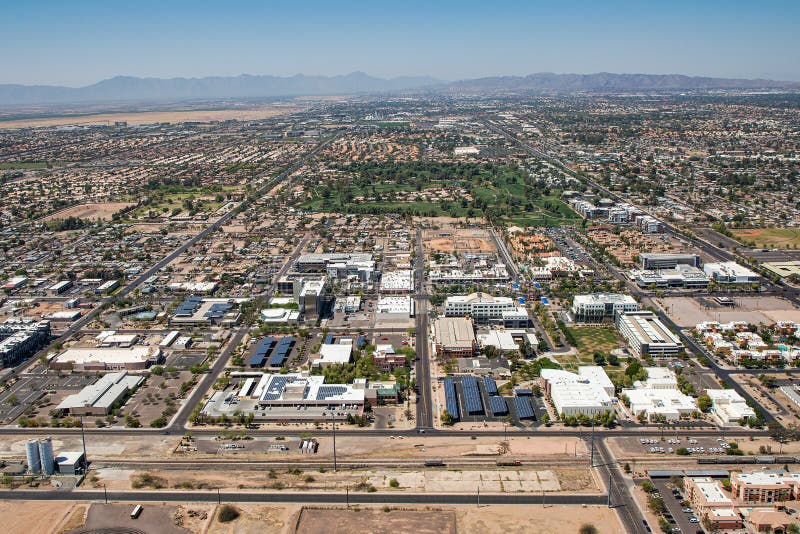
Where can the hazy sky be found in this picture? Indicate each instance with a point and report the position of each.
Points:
(74, 42)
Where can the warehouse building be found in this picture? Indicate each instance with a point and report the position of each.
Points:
(99, 398)
(454, 337)
(595, 307)
(647, 335)
(589, 392)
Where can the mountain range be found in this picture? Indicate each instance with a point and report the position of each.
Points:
(128, 88)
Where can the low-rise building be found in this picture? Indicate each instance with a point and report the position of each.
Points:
(765, 487)
(657, 261)
(680, 276)
(107, 358)
(730, 272)
(586, 393)
(334, 353)
(728, 407)
(454, 337)
(482, 307)
(659, 396)
(595, 307)
(386, 358)
(20, 338)
(710, 502)
(397, 282)
(647, 335)
(101, 397)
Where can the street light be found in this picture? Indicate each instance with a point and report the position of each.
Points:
(333, 417)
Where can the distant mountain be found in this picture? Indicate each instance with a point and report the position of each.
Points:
(607, 82)
(127, 88)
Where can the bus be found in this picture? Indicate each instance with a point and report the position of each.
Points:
(137, 510)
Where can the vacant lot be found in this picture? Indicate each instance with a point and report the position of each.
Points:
(93, 211)
(769, 237)
(688, 312)
(591, 339)
(313, 521)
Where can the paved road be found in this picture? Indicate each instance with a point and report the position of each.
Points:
(301, 497)
(425, 408)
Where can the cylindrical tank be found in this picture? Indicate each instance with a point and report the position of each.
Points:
(46, 456)
(32, 452)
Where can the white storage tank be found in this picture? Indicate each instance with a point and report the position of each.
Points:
(46, 456)
(32, 452)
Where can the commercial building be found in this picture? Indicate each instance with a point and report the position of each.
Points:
(595, 307)
(728, 407)
(15, 282)
(289, 397)
(659, 396)
(655, 261)
(588, 393)
(397, 282)
(107, 359)
(686, 276)
(482, 307)
(319, 262)
(310, 297)
(647, 335)
(765, 487)
(70, 463)
(286, 316)
(99, 398)
(20, 338)
(730, 272)
(59, 287)
(454, 337)
(501, 340)
(783, 269)
(198, 311)
(334, 353)
(710, 502)
(396, 307)
(387, 359)
(554, 266)
(107, 287)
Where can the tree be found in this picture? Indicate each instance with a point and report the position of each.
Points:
(704, 403)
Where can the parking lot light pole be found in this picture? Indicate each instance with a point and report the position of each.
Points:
(333, 417)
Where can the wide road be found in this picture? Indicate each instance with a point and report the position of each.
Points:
(425, 408)
(299, 497)
(620, 497)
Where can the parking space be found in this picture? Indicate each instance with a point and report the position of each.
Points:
(672, 443)
(679, 514)
(272, 446)
(29, 389)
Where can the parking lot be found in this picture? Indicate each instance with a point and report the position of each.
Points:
(675, 514)
(700, 446)
(537, 405)
(30, 388)
(272, 446)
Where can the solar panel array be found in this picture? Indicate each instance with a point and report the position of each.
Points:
(326, 392)
(275, 388)
(490, 385)
(189, 306)
(281, 352)
(218, 310)
(498, 405)
(451, 401)
(472, 395)
(263, 349)
(523, 407)
(328, 339)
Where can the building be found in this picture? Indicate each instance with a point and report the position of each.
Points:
(197, 311)
(516, 318)
(728, 407)
(730, 272)
(286, 316)
(70, 463)
(770, 521)
(310, 297)
(397, 282)
(482, 307)
(319, 262)
(394, 308)
(100, 398)
(502, 340)
(554, 266)
(15, 283)
(387, 359)
(659, 396)
(107, 359)
(454, 337)
(765, 487)
(479, 365)
(107, 287)
(595, 307)
(20, 338)
(655, 261)
(710, 502)
(647, 335)
(334, 353)
(288, 397)
(686, 276)
(59, 287)
(783, 269)
(586, 393)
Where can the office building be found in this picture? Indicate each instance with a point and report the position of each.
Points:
(656, 261)
(107, 358)
(659, 396)
(102, 396)
(595, 307)
(482, 307)
(728, 407)
(647, 335)
(454, 337)
(730, 272)
(586, 393)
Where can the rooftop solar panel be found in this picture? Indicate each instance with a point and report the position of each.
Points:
(498, 405)
(326, 392)
(523, 408)
(490, 385)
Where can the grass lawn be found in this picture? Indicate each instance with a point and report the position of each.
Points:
(593, 338)
(769, 237)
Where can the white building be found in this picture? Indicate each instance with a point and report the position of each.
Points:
(728, 407)
(502, 340)
(730, 272)
(482, 307)
(584, 393)
(107, 359)
(334, 353)
(647, 335)
(100, 397)
(397, 282)
(659, 396)
(595, 307)
(396, 307)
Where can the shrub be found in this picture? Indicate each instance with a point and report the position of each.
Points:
(227, 513)
(394, 483)
(587, 528)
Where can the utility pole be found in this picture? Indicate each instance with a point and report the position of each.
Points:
(83, 439)
(105, 493)
(592, 447)
(219, 499)
(347, 496)
(479, 496)
(608, 502)
(333, 417)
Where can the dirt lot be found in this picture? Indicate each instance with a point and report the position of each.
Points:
(92, 211)
(154, 518)
(452, 239)
(148, 117)
(22, 517)
(376, 520)
(259, 519)
(687, 312)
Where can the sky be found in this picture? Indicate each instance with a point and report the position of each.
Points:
(77, 42)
